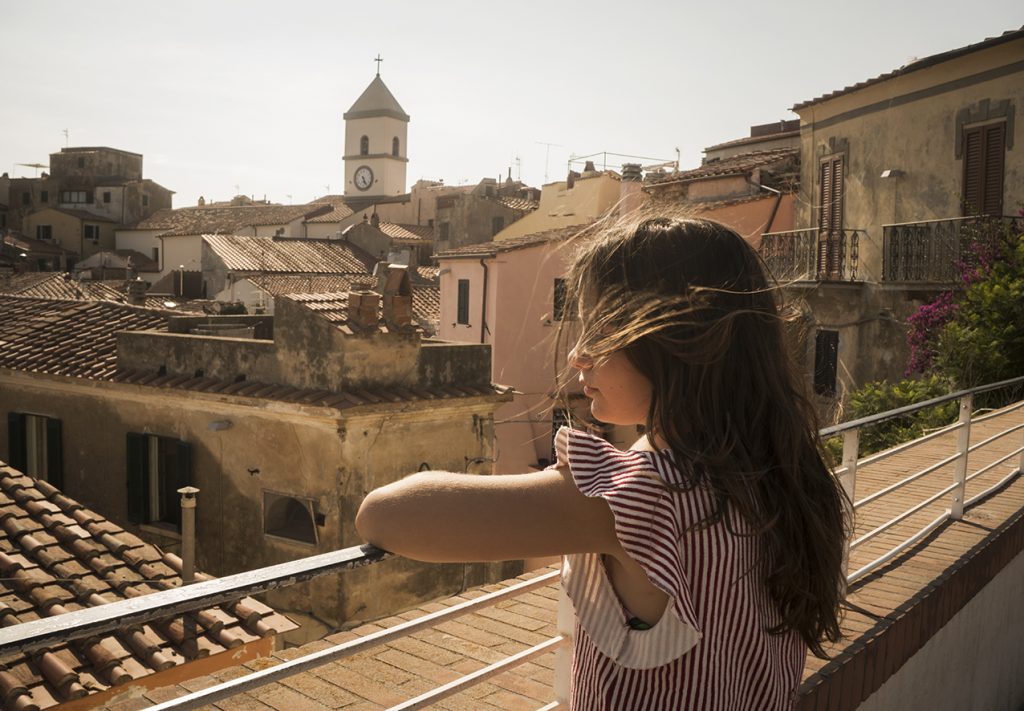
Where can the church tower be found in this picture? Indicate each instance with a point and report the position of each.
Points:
(376, 128)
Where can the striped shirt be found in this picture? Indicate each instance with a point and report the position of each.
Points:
(710, 649)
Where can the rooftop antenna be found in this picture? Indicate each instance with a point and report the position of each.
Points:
(37, 166)
(378, 60)
(67, 138)
(519, 168)
(547, 154)
(289, 198)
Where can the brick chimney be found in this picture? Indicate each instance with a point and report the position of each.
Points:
(136, 292)
(362, 308)
(397, 291)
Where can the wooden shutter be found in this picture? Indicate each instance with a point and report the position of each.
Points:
(136, 477)
(830, 218)
(984, 159)
(54, 453)
(463, 302)
(16, 454)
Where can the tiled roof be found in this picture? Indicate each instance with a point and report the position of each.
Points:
(428, 273)
(516, 203)
(80, 214)
(73, 338)
(36, 247)
(426, 304)
(913, 66)
(734, 165)
(57, 557)
(226, 220)
(294, 256)
(764, 138)
(118, 259)
(60, 285)
(339, 209)
(489, 249)
(418, 233)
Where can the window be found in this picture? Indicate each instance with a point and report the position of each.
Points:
(463, 305)
(44, 231)
(35, 446)
(81, 162)
(826, 362)
(91, 232)
(157, 468)
(497, 225)
(145, 200)
(984, 151)
(156, 254)
(44, 196)
(26, 198)
(288, 517)
(364, 146)
(106, 196)
(394, 146)
(442, 230)
(75, 197)
(558, 306)
(830, 217)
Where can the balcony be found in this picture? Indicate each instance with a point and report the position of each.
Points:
(812, 254)
(934, 251)
(938, 519)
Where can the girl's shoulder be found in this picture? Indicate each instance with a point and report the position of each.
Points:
(588, 455)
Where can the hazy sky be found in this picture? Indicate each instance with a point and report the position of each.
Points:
(218, 94)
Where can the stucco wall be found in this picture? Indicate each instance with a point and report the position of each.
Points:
(68, 231)
(562, 206)
(973, 662)
(388, 172)
(909, 124)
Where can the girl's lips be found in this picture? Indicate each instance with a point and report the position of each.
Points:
(589, 391)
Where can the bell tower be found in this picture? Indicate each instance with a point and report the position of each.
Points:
(376, 128)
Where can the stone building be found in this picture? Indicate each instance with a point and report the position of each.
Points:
(105, 183)
(283, 423)
(478, 215)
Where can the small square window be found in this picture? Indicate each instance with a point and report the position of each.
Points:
(44, 196)
(145, 200)
(26, 198)
(442, 230)
(44, 231)
(106, 196)
(92, 232)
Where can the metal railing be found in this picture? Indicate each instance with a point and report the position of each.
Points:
(812, 254)
(933, 251)
(39, 634)
(956, 489)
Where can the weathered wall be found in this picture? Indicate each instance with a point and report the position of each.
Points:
(909, 123)
(95, 163)
(562, 206)
(68, 231)
(471, 220)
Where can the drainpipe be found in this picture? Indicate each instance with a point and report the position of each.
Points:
(483, 308)
(188, 534)
(775, 207)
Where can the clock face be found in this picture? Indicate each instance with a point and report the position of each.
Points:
(363, 177)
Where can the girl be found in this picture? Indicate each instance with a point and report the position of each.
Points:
(705, 561)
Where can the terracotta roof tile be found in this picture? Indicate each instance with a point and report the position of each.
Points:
(226, 220)
(517, 203)
(288, 256)
(407, 233)
(339, 209)
(734, 165)
(60, 285)
(489, 249)
(80, 565)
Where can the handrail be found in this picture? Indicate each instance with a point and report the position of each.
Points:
(951, 219)
(827, 432)
(37, 634)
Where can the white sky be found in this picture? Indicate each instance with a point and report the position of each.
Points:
(217, 94)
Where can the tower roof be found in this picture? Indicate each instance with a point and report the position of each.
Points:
(376, 100)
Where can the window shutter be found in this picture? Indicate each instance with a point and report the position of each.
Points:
(184, 460)
(462, 315)
(136, 477)
(973, 158)
(836, 198)
(54, 453)
(16, 454)
(995, 151)
(824, 211)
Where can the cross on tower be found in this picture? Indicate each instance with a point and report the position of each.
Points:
(378, 60)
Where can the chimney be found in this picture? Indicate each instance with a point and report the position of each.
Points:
(137, 292)
(362, 308)
(188, 534)
(375, 220)
(397, 298)
(631, 195)
(588, 168)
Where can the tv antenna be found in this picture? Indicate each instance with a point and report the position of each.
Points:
(519, 168)
(67, 137)
(37, 166)
(547, 154)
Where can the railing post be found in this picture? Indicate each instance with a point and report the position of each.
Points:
(963, 443)
(851, 449)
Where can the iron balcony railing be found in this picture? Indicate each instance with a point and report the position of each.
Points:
(39, 634)
(812, 254)
(936, 251)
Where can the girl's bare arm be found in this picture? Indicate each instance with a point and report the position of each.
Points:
(443, 517)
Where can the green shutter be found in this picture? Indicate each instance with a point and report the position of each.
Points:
(54, 453)
(136, 477)
(16, 440)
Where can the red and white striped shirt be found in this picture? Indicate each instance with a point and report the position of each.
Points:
(710, 649)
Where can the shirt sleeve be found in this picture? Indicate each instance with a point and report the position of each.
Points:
(649, 524)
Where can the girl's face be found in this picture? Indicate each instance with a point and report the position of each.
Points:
(619, 393)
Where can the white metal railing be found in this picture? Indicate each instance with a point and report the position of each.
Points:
(39, 634)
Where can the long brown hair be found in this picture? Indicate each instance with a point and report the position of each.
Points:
(688, 302)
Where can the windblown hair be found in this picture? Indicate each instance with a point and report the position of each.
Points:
(688, 302)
